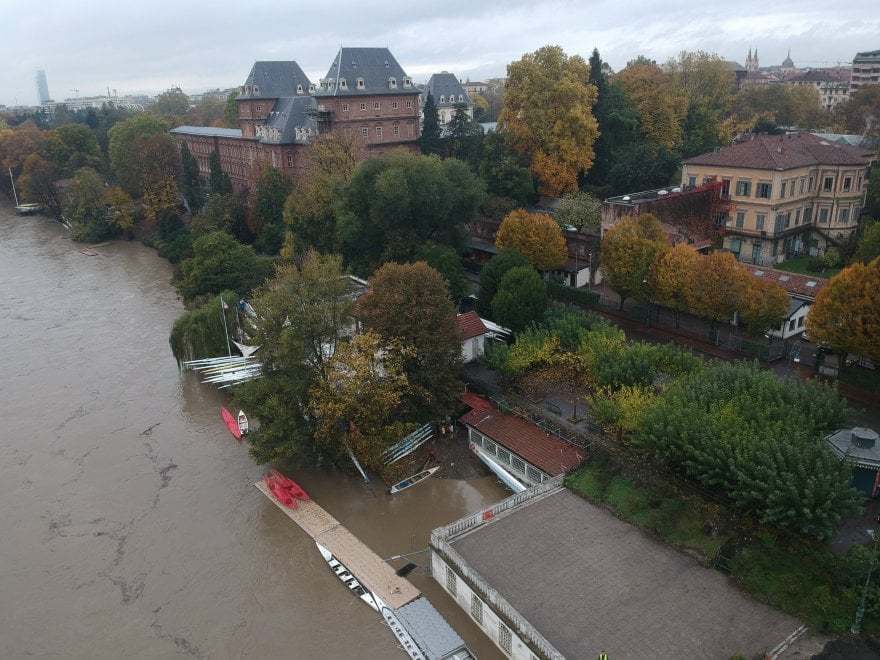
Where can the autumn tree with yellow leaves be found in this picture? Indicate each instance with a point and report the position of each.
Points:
(629, 250)
(717, 287)
(764, 304)
(846, 314)
(671, 275)
(536, 236)
(547, 116)
(660, 104)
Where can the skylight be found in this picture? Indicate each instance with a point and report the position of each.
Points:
(811, 283)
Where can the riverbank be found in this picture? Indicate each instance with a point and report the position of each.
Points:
(133, 527)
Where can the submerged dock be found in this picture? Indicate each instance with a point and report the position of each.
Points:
(371, 570)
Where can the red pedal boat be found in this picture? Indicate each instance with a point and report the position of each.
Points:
(231, 423)
(285, 489)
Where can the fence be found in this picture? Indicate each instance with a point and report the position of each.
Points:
(440, 543)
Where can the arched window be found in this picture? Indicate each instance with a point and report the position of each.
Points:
(442, 99)
(299, 89)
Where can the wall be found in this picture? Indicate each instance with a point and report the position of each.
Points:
(473, 348)
(359, 116)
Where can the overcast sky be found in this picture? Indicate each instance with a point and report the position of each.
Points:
(150, 45)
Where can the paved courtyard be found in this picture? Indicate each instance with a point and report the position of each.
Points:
(591, 583)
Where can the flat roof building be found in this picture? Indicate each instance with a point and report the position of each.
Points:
(546, 574)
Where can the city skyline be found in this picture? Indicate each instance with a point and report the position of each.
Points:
(134, 50)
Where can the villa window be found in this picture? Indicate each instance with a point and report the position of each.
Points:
(797, 217)
(808, 214)
(377, 105)
(363, 106)
(345, 107)
(365, 132)
(823, 215)
(843, 216)
(828, 184)
(812, 182)
(764, 190)
(847, 183)
(740, 219)
(395, 105)
(692, 181)
(743, 188)
(360, 83)
(759, 221)
(784, 184)
(803, 186)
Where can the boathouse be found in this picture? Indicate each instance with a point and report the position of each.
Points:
(859, 447)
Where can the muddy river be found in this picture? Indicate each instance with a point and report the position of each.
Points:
(129, 525)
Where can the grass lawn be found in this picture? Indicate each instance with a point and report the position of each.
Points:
(799, 265)
(798, 576)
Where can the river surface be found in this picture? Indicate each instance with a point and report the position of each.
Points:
(129, 525)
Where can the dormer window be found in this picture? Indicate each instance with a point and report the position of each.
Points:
(299, 89)
(360, 83)
(312, 88)
(460, 98)
(243, 88)
(407, 82)
(392, 83)
(256, 90)
(442, 99)
(343, 84)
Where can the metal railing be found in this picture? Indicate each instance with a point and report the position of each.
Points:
(440, 542)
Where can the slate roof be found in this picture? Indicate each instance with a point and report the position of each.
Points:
(294, 118)
(802, 286)
(209, 131)
(446, 85)
(273, 80)
(544, 451)
(781, 152)
(470, 325)
(821, 75)
(429, 629)
(861, 453)
(375, 65)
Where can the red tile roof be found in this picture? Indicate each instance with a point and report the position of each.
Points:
(781, 152)
(475, 401)
(470, 325)
(543, 450)
(793, 283)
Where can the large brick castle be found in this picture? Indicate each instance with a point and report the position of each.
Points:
(365, 95)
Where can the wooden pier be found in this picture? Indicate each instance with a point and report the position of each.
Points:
(371, 570)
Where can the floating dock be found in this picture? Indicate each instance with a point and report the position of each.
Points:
(371, 570)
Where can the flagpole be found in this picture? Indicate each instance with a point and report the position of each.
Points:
(223, 316)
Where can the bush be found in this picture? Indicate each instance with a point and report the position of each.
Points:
(521, 298)
(219, 262)
(199, 333)
(568, 294)
(178, 248)
(815, 264)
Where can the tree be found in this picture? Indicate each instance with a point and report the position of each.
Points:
(869, 244)
(447, 262)
(409, 303)
(579, 210)
(629, 250)
(128, 145)
(230, 111)
(71, 147)
(547, 117)
(38, 183)
(430, 141)
(172, 103)
(661, 107)
(534, 235)
(623, 409)
(463, 136)
(120, 209)
(329, 164)
(521, 298)
(861, 112)
(671, 276)
(742, 431)
(224, 212)
(719, 287)
(846, 314)
(218, 180)
(481, 108)
(267, 214)
(201, 332)
(84, 208)
(219, 262)
(642, 166)
(782, 105)
(160, 205)
(503, 173)
(764, 304)
(397, 201)
(491, 274)
(190, 180)
(872, 195)
(355, 405)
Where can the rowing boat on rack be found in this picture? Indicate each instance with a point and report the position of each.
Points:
(409, 482)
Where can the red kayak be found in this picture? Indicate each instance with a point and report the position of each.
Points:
(285, 489)
(231, 423)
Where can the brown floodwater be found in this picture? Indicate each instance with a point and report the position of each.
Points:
(129, 525)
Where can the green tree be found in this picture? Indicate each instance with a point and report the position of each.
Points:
(447, 262)
(38, 183)
(409, 303)
(491, 274)
(218, 180)
(84, 207)
(629, 250)
(190, 180)
(219, 262)
(579, 210)
(642, 167)
(172, 103)
(547, 116)
(224, 212)
(430, 141)
(868, 247)
(743, 432)
(861, 111)
(463, 136)
(230, 110)
(267, 214)
(73, 146)
(661, 106)
(872, 195)
(128, 145)
(521, 298)
(200, 332)
(397, 201)
(504, 175)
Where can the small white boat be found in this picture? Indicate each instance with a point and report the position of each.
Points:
(348, 579)
(409, 482)
(243, 425)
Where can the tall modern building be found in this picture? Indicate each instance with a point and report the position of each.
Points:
(42, 87)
